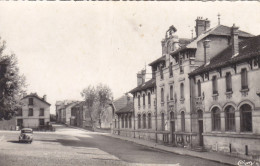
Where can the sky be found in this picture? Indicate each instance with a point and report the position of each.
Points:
(62, 47)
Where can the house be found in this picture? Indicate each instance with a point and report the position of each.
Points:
(34, 113)
(80, 116)
(63, 110)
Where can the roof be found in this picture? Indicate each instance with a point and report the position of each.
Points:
(148, 84)
(79, 104)
(128, 108)
(161, 59)
(220, 30)
(122, 101)
(248, 49)
(36, 96)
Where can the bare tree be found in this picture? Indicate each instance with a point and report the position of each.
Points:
(12, 84)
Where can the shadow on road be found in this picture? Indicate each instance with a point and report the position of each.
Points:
(17, 142)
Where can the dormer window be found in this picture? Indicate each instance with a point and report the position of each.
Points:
(30, 101)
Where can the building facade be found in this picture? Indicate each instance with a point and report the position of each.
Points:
(192, 107)
(34, 113)
(226, 97)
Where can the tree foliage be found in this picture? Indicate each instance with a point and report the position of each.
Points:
(96, 99)
(12, 84)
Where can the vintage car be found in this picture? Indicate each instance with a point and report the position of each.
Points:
(26, 135)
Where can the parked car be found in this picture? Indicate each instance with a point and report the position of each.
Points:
(26, 135)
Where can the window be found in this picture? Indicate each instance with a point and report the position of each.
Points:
(244, 82)
(228, 82)
(149, 121)
(149, 99)
(139, 100)
(41, 122)
(20, 122)
(214, 85)
(144, 121)
(122, 124)
(171, 115)
(143, 99)
(163, 125)
(230, 118)
(181, 66)
(182, 121)
(30, 101)
(182, 90)
(171, 92)
(161, 73)
(162, 95)
(41, 112)
(246, 118)
(115, 123)
(199, 88)
(130, 121)
(30, 112)
(170, 70)
(126, 122)
(139, 121)
(215, 119)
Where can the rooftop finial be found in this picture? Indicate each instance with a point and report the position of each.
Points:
(218, 19)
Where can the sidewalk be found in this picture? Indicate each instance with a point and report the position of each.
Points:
(213, 156)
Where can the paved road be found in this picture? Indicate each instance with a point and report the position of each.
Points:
(69, 146)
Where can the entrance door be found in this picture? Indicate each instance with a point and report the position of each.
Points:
(200, 132)
(172, 131)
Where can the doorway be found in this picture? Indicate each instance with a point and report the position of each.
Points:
(200, 123)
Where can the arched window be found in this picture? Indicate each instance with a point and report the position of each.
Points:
(139, 100)
(182, 90)
(246, 117)
(199, 88)
(172, 115)
(163, 122)
(122, 122)
(171, 92)
(162, 95)
(143, 99)
(130, 121)
(149, 99)
(115, 123)
(200, 114)
(161, 73)
(144, 121)
(182, 121)
(215, 119)
(230, 118)
(228, 82)
(139, 121)
(126, 122)
(149, 120)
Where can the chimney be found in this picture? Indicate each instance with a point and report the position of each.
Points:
(202, 25)
(206, 51)
(234, 40)
(44, 97)
(141, 77)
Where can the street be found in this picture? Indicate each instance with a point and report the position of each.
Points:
(69, 146)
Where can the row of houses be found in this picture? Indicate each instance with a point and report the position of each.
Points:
(75, 113)
(203, 95)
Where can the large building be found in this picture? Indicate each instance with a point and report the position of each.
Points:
(188, 112)
(34, 113)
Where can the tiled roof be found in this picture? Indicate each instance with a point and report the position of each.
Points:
(247, 49)
(220, 30)
(148, 84)
(161, 59)
(121, 101)
(36, 96)
(128, 108)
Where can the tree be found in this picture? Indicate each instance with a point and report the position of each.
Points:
(12, 84)
(95, 100)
